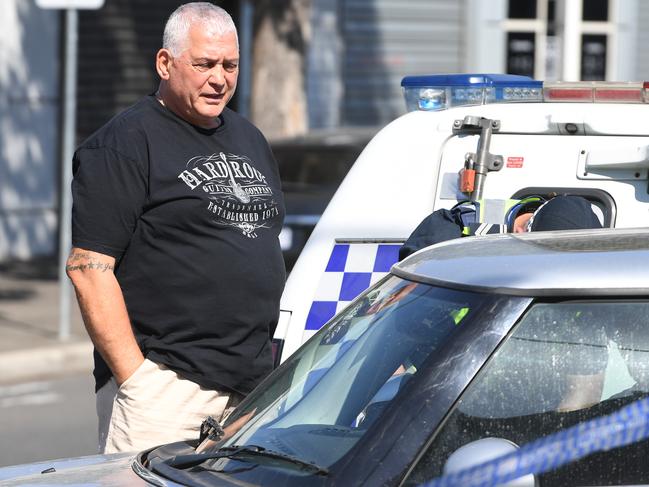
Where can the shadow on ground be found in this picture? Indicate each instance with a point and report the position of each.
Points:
(44, 268)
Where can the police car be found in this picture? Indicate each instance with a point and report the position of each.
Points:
(538, 352)
(490, 138)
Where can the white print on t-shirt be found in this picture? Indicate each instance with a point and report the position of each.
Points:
(238, 193)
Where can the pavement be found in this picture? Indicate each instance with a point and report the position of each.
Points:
(30, 344)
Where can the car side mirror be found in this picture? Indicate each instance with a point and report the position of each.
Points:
(481, 451)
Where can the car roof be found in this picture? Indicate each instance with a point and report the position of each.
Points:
(563, 263)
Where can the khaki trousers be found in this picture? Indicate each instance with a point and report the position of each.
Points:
(155, 406)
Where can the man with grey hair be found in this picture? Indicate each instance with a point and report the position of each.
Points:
(176, 261)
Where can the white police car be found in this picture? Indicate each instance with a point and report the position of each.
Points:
(433, 370)
(508, 136)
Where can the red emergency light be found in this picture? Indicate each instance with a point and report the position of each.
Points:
(596, 91)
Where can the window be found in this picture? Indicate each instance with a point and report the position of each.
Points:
(602, 202)
(520, 53)
(596, 10)
(596, 39)
(593, 57)
(564, 364)
(522, 9)
(331, 392)
(525, 27)
(531, 40)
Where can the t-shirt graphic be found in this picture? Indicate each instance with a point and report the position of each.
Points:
(238, 193)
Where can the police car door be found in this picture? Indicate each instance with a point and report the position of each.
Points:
(598, 151)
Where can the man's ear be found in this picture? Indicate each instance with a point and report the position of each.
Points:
(163, 60)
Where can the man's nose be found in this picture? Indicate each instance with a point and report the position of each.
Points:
(217, 75)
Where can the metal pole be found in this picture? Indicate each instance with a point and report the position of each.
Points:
(69, 132)
(482, 158)
(246, 11)
(572, 40)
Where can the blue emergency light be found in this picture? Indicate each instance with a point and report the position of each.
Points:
(442, 91)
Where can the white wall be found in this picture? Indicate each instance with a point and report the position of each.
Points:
(29, 122)
(640, 53)
(626, 22)
(485, 38)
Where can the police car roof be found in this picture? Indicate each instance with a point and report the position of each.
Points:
(566, 263)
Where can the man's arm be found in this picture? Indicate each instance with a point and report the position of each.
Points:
(104, 311)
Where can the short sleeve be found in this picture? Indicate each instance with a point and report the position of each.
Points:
(108, 193)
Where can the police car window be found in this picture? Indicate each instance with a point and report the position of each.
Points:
(335, 388)
(565, 363)
(602, 202)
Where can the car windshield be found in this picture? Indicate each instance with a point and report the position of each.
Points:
(326, 396)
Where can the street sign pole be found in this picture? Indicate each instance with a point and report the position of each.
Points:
(246, 12)
(69, 131)
(69, 107)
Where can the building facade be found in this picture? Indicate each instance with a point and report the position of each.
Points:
(356, 55)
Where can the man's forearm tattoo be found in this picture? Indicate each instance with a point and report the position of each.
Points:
(81, 261)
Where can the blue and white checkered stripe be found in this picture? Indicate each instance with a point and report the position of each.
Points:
(352, 268)
(628, 425)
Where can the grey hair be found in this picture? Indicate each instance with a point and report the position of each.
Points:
(213, 19)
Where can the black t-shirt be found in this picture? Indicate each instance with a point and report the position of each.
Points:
(192, 217)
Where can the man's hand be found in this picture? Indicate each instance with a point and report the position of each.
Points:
(104, 311)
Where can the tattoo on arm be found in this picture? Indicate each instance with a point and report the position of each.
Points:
(81, 261)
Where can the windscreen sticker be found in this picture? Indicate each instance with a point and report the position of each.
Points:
(515, 161)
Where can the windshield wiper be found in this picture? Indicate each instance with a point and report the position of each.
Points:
(240, 452)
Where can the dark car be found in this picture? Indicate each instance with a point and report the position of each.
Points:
(312, 167)
(509, 337)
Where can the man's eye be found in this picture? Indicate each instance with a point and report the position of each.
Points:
(202, 67)
(230, 67)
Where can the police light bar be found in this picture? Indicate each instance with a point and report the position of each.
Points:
(439, 92)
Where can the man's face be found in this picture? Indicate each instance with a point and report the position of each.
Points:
(521, 222)
(202, 79)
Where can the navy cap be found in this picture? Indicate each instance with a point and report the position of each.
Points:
(565, 213)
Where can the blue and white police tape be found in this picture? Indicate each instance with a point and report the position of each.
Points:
(624, 427)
